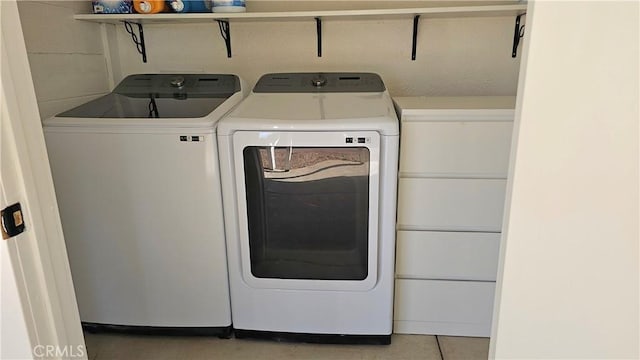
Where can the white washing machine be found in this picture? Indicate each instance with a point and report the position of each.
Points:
(309, 176)
(136, 175)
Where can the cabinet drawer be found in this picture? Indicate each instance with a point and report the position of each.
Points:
(455, 149)
(451, 204)
(447, 255)
(459, 308)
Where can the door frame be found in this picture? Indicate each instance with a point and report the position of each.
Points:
(38, 256)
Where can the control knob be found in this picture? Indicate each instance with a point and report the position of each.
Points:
(177, 82)
(319, 81)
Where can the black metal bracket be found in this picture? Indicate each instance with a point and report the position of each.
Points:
(319, 35)
(225, 32)
(518, 33)
(153, 108)
(137, 39)
(414, 43)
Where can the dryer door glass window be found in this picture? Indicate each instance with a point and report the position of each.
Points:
(308, 212)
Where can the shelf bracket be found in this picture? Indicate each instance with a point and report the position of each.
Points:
(319, 35)
(137, 39)
(414, 43)
(225, 32)
(153, 108)
(518, 33)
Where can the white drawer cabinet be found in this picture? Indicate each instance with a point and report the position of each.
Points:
(454, 156)
(450, 204)
(459, 308)
(451, 149)
(447, 255)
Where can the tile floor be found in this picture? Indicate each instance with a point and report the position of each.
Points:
(403, 347)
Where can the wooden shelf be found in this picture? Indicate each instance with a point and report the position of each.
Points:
(427, 12)
(437, 9)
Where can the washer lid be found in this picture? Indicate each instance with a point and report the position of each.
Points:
(161, 96)
(319, 83)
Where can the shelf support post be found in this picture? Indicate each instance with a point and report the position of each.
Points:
(225, 32)
(137, 39)
(518, 33)
(414, 43)
(319, 35)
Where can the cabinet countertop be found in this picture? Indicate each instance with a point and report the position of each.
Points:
(455, 102)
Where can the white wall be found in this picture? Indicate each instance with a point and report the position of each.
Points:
(464, 56)
(569, 272)
(66, 56)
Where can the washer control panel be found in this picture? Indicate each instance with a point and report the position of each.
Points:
(179, 86)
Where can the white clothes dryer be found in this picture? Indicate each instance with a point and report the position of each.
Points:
(137, 180)
(309, 173)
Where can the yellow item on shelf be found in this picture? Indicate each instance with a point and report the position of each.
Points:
(149, 6)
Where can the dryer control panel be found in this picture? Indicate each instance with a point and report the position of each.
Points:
(319, 83)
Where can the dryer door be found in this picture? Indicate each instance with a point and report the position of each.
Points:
(308, 209)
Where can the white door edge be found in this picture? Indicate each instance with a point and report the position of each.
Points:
(38, 256)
